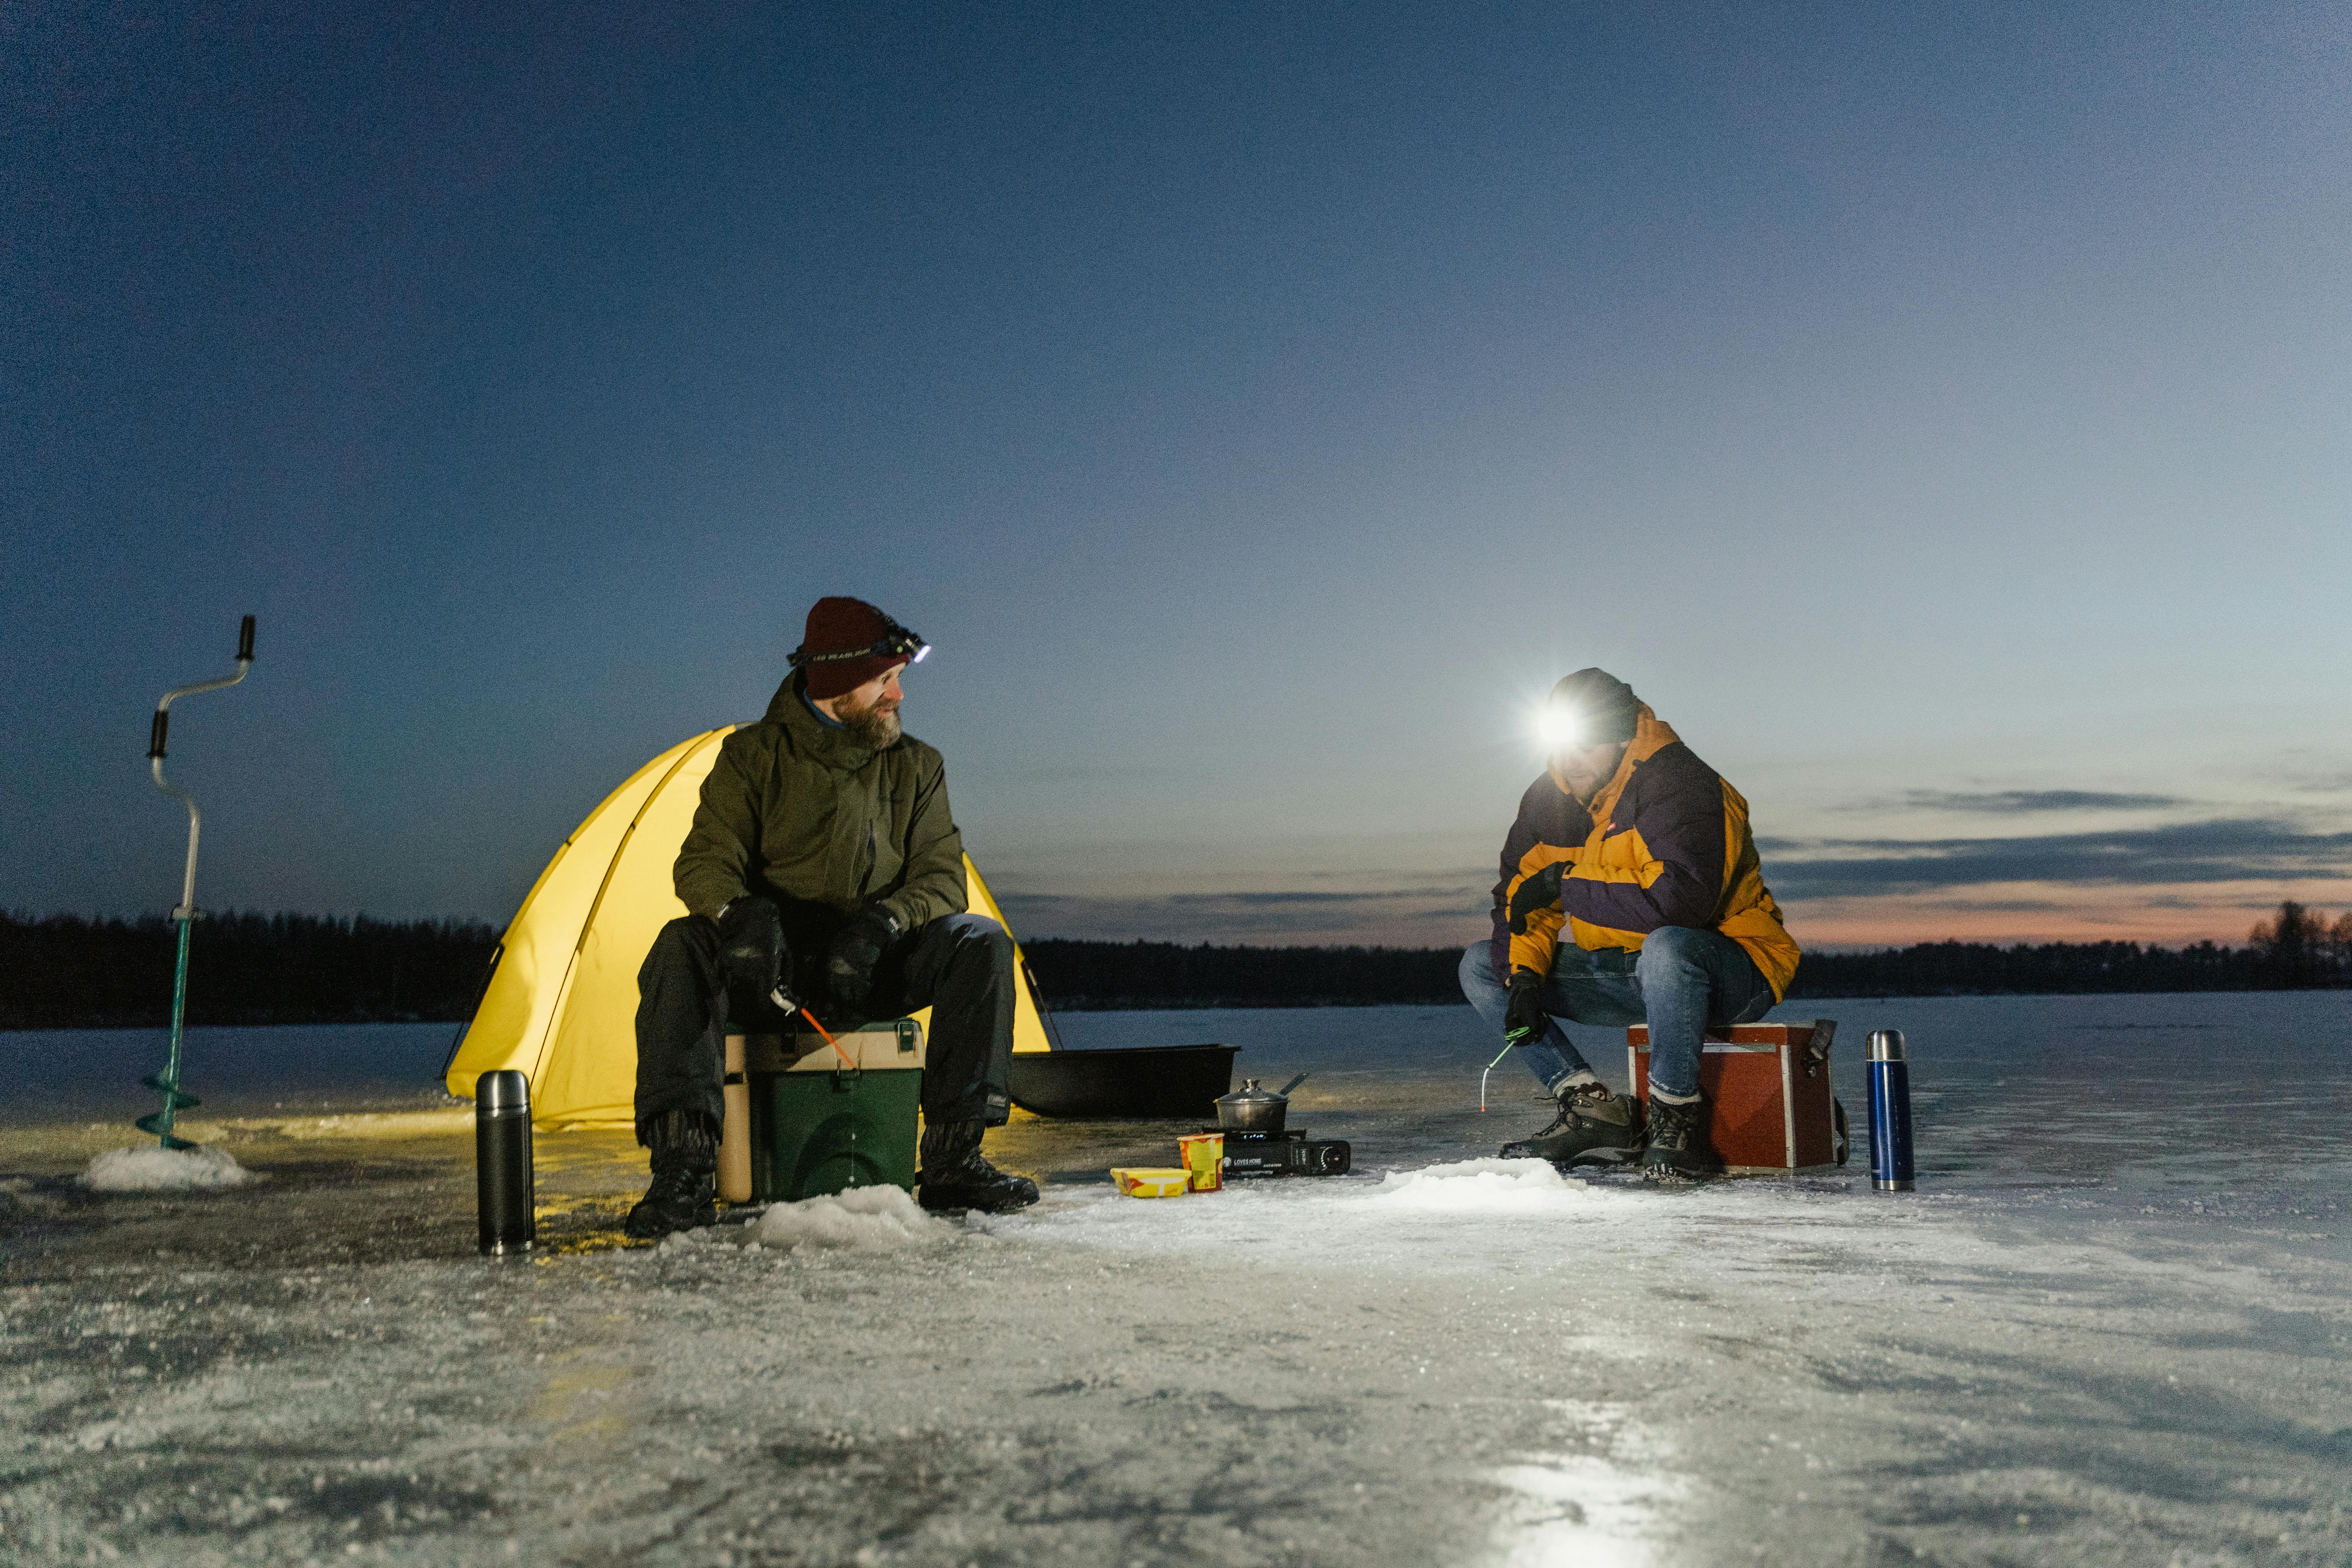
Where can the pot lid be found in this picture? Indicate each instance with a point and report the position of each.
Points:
(1253, 1092)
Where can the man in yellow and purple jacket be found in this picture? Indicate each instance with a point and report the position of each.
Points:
(1639, 854)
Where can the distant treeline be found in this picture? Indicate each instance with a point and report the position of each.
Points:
(1089, 976)
(62, 972)
(1097, 977)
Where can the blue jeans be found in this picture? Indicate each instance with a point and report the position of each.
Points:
(1683, 982)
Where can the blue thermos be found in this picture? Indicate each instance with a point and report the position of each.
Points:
(1890, 1114)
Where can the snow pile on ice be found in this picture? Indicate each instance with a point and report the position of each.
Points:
(1482, 1186)
(872, 1219)
(153, 1169)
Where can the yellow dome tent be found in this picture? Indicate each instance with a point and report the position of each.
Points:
(561, 1002)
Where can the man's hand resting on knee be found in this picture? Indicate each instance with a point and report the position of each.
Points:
(849, 966)
(752, 954)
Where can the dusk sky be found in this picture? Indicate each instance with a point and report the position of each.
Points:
(1941, 415)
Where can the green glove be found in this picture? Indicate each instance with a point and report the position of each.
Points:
(1525, 1021)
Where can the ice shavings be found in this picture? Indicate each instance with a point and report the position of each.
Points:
(158, 1170)
(1484, 1186)
(869, 1219)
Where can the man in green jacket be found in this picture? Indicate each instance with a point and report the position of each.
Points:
(824, 868)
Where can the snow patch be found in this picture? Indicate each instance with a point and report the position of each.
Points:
(1484, 1186)
(869, 1219)
(158, 1170)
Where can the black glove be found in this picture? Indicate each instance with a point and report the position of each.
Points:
(1525, 1021)
(752, 956)
(849, 966)
(1540, 891)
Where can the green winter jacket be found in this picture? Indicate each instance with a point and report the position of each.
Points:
(797, 808)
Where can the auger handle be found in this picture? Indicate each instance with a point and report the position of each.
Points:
(245, 642)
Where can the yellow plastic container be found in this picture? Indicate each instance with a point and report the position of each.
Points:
(1151, 1183)
(1204, 1160)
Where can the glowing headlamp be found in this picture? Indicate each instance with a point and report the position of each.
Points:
(1560, 729)
(896, 643)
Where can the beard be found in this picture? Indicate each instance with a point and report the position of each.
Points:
(875, 728)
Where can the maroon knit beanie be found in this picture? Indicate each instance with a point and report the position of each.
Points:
(841, 626)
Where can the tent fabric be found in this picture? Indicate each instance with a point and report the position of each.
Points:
(561, 1002)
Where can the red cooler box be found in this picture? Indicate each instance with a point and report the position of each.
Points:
(1768, 1088)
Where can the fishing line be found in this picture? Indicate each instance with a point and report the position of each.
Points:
(828, 1039)
(1481, 1077)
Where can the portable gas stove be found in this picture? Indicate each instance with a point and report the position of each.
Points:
(1285, 1154)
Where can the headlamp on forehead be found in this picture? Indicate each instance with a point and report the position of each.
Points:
(1559, 728)
(896, 642)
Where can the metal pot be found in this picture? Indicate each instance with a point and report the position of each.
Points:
(1255, 1109)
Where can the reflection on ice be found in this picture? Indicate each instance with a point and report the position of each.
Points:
(1596, 1508)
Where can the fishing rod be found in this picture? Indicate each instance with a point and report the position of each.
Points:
(167, 1082)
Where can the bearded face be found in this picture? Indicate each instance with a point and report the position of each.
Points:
(870, 713)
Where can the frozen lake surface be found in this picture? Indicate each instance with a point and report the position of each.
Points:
(2113, 1326)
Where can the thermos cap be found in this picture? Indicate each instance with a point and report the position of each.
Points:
(1886, 1046)
(502, 1093)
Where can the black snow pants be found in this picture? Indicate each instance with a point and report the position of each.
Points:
(959, 966)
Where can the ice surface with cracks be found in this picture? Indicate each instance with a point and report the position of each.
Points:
(206, 1168)
(2113, 1326)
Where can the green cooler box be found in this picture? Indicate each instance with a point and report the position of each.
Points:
(820, 1124)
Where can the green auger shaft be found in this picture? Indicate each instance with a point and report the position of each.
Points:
(168, 1080)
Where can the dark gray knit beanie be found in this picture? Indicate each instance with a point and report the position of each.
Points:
(1606, 705)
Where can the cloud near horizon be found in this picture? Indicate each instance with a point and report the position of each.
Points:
(2017, 802)
(2222, 850)
(2172, 883)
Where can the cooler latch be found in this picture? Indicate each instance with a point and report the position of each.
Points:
(1817, 1045)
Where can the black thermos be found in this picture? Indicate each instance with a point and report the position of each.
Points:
(502, 1163)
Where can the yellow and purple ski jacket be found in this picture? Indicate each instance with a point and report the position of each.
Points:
(1665, 844)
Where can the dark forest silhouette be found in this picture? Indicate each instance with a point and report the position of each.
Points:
(64, 972)
(68, 973)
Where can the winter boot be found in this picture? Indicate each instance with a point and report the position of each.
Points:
(1679, 1150)
(955, 1175)
(685, 1159)
(1593, 1124)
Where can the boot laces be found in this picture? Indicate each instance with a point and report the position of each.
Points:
(1672, 1125)
(1560, 1123)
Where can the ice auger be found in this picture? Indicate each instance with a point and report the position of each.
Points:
(167, 1082)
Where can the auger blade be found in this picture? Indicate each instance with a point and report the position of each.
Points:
(154, 1123)
(173, 1095)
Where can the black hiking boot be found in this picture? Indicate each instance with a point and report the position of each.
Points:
(1679, 1151)
(1593, 1124)
(683, 1192)
(956, 1175)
